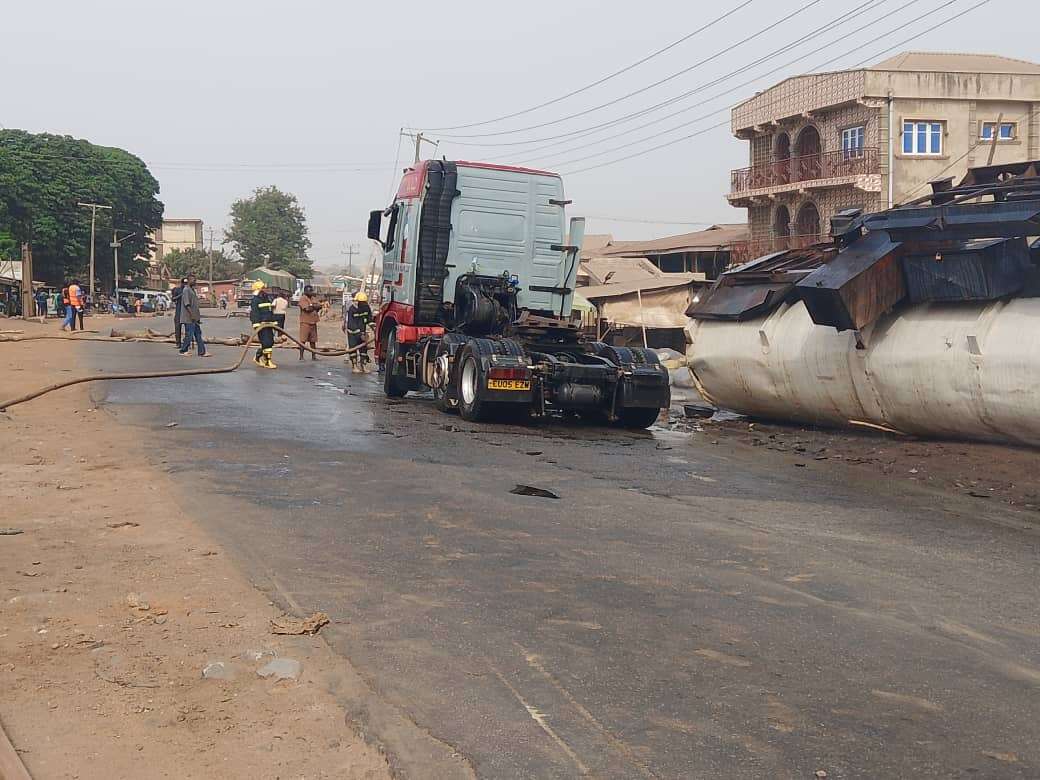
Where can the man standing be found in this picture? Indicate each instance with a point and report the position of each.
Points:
(191, 318)
(355, 323)
(175, 301)
(75, 305)
(281, 307)
(41, 303)
(310, 313)
(261, 310)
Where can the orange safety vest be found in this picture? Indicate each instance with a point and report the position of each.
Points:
(74, 295)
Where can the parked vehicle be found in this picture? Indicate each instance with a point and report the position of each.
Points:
(478, 283)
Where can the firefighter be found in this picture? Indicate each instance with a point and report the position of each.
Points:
(355, 323)
(261, 310)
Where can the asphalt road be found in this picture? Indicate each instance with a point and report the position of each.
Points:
(684, 609)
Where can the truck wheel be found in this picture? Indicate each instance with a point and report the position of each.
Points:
(637, 418)
(394, 385)
(447, 396)
(471, 387)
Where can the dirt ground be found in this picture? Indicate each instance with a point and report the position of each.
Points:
(113, 601)
(992, 473)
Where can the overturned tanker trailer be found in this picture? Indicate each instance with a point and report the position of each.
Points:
(921, 318)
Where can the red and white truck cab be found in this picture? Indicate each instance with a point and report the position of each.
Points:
(478, 279)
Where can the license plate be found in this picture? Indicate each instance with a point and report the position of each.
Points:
(509, 384)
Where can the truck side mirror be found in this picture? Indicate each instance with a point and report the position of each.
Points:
(375, 225)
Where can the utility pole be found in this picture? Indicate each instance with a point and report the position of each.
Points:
(93, 219)
(419, 138)
(350, 251)
(212, 292)
(116, 243)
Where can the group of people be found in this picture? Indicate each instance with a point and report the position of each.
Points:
(266, 308)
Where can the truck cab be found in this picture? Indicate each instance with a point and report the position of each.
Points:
(480, 265)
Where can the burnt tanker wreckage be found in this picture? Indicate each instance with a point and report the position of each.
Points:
(922, 318)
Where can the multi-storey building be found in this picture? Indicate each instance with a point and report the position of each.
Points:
(177, 234)
(874, 137)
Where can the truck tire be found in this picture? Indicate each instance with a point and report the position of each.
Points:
(637, 418)
(470, 386)
(447, 397)
(394, 385)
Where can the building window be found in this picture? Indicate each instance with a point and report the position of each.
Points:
(922, 138)
(852, 141)
(1007, 131)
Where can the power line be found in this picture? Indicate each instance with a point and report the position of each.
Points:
(397, 162)
(604, 79)
(872, 57)
(641, 90)
(751, 81)
(825, 28)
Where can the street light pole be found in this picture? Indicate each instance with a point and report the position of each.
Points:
(93, 219)
(116, 243)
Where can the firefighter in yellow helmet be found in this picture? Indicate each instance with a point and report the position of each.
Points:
(355, 323)
(261, 310)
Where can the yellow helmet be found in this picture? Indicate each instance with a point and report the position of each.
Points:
(258, 285)
(361, 298)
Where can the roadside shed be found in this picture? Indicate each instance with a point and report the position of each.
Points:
(656, 306)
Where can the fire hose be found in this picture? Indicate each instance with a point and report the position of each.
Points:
(4, 405)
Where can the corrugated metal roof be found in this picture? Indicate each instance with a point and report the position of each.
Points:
(721, 236)
(956, 62)
(612, 270)
(661, 282)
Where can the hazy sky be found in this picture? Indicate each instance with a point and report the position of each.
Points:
(223, 96)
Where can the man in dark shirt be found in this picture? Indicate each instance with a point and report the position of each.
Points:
(175, 301)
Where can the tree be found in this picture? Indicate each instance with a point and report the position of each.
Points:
(44, 176)
(181, 262)
(270, 229)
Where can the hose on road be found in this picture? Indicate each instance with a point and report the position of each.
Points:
(5, 405)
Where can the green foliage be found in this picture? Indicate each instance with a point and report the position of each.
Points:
(43, 177)
(8, 247)
(181, 262)
(270, 229)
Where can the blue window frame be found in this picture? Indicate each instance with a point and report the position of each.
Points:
(1005, 133)
(923, 138)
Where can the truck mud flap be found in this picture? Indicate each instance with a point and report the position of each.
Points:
(434, 235)
(645, 388)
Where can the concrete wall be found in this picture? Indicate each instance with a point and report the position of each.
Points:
(962, 147)
(178, 234)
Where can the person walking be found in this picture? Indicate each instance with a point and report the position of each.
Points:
(310, 313)
(281, 307)
(261, 310)
(175, 301)
(41, 303)
(75, 305)
(355, 323)
(191, 319)
(223, 301)
(67, 313)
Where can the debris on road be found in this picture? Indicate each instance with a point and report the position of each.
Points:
(10, 531)
(528, 490)
(124, 524)
(281, 669)
(299, 627)
(219, 670)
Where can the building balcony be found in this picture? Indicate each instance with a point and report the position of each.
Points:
(859, 168)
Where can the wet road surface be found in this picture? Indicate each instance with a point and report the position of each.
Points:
(684, 609)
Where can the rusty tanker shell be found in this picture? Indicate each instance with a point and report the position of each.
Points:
(957, 370)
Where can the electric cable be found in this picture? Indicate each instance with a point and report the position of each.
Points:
(722, 124)
(604, 79)
(648, 87)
